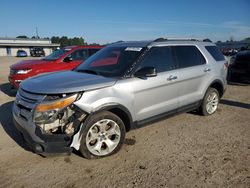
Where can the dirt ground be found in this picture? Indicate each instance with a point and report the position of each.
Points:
(186, 150)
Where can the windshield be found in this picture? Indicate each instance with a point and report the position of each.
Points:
(110, 61)
(55, 55)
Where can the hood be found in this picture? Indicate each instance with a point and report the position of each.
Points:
(28, 63)
(65, 82)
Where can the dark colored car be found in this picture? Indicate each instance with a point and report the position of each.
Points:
(240, 68)
(66, 58)
(21, 53)
(37, 52)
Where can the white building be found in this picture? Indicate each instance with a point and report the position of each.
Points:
(10, 46)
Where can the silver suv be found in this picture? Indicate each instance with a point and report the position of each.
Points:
(124, 85)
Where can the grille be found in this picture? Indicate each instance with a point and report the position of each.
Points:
(25, 103)
(12, 71)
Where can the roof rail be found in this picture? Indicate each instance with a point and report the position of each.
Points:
(207, 40)
(180, 39)
(117, 41)
(174, 39)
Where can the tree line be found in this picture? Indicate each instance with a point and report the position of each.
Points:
(63, 41)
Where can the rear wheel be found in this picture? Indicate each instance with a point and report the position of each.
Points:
(103, 135)
(210, 102)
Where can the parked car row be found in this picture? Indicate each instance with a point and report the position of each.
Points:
(92, 106)
(34, 52)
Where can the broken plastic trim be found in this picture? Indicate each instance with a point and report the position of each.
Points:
(66, 121)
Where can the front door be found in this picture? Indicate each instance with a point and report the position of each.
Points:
(159, 94)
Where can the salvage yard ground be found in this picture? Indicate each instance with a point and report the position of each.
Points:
(186, 150)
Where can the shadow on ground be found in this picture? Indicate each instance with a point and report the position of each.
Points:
(238, 83)
(8, 126)
(8, 90)
(235, 103)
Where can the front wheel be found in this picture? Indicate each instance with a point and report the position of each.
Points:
(210, 102)
(103, 134)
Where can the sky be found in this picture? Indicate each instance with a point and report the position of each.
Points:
(104, 21)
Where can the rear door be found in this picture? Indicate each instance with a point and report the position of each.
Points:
(156, 95)
(193, 72)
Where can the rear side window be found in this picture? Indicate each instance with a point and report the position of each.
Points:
(93, 51)
(79, 55)
(159, 57)
(188, 56)
(215, 52)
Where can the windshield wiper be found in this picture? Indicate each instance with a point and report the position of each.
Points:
(88, 71)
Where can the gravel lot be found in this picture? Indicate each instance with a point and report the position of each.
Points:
(186, 150)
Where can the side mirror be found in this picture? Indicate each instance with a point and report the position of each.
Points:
(146, 72)
(68, 59)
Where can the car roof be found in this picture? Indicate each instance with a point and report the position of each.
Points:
(81, 47)
(182, 42)
(160, 41)
(131, 43)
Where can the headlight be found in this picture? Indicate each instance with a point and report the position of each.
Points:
(23, 71)
(48, 111)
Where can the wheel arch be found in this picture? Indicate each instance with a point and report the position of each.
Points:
(218, 85)
(121, 111)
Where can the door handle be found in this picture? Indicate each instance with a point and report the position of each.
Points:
(171, 77)
(207, 69)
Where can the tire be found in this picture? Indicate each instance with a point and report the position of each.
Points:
(102, 134)
(212, 96)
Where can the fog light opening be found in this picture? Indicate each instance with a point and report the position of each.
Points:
(38, 148)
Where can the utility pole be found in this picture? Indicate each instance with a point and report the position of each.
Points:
(37, 33)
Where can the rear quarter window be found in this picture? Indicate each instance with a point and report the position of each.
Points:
(215, 53)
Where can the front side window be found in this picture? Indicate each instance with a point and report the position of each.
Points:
(188, 56)
(55, 55)
(110, 61)
(79, 55)
(160, 58)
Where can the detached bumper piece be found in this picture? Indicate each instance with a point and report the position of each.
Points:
(53, 144)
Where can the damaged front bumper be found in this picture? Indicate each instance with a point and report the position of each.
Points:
(48, 143)
(38, 139)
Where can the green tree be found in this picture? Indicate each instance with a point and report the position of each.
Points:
(22, 37)
(65, 41)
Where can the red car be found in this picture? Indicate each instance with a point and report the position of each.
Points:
(66, 58)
